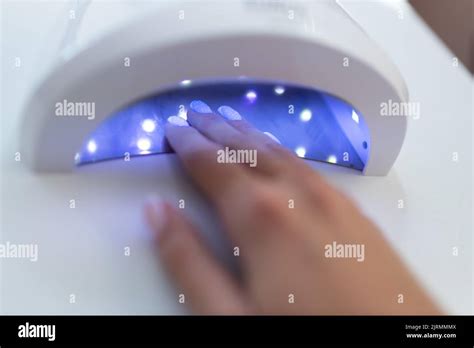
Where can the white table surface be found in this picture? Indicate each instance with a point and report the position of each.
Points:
(81, 251)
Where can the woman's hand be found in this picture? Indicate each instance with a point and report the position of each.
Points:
(304, 247)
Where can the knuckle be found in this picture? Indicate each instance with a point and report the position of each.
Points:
(329, 199)
(267, 204)
(237, 141)
(196, 157)
(292, 162)
(241, 125)
(207, 122)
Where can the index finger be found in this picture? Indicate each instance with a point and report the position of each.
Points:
(198, 155)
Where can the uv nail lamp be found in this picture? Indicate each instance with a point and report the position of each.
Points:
(303, 71)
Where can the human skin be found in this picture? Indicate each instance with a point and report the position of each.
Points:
(282, 260)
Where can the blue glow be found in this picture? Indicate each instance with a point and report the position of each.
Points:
(355, 117)
(332, 159)
(185, 82)
(300, 151)
(149, 125)
(91, 146)
(251, 96)
(279, 90)
(321, 127)
(306, 115)
(144, 144)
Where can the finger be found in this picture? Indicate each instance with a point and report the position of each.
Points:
(270, 143)
(213, 126)
(284, 162)
(206, 286)
(239, 123)
(222, 183)
(199, 158)
(220, 130)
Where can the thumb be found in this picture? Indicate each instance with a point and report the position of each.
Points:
(207, 287)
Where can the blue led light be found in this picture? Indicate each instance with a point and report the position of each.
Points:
(300, 151)
(91, 146)
(355, 117)
(148, 125)
(144, 144)
(279, 90)
(325, 127)
(332, 159)
(185, 82)
(251, 96)
(306, 115)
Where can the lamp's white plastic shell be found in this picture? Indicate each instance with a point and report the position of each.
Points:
(302, 43)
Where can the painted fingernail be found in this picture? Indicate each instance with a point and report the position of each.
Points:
(154, 210)
(178, 121)
(200, 107)
(229, 113)
(273, 137)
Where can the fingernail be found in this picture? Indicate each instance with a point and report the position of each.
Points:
(178, 121)
(273, 137)
(155, 214)
(200, 107)
(229, 113)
